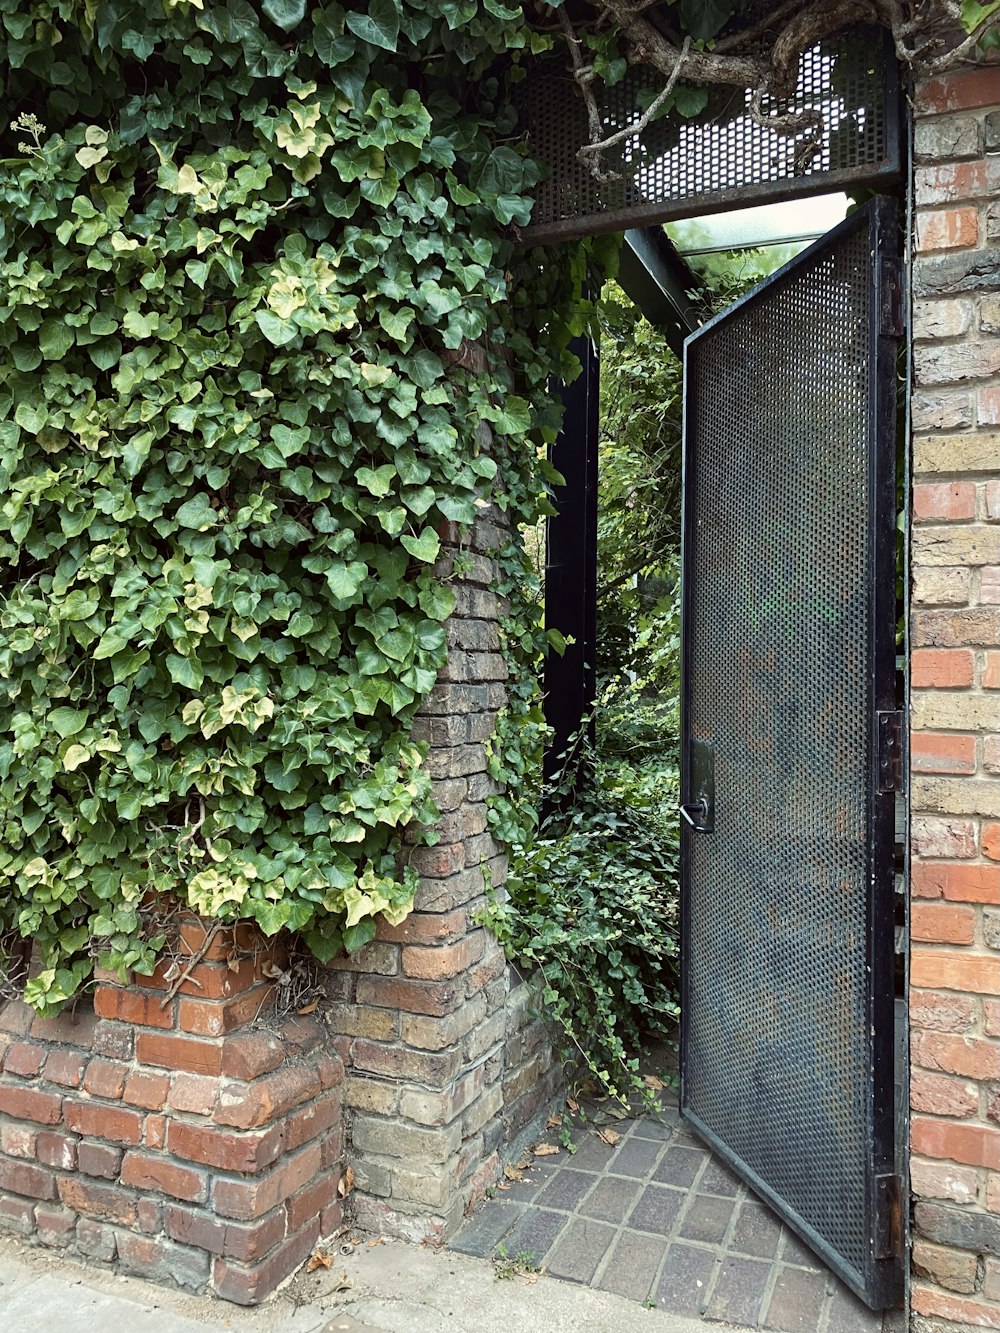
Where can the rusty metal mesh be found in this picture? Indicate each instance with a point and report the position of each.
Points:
(716, 159)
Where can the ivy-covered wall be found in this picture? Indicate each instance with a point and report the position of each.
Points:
(259, 295)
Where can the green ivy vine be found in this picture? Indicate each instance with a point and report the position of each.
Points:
(242, 250)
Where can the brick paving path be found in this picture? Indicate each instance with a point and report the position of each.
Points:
(657, 1218)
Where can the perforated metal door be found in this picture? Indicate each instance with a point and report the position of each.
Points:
(787, 1050)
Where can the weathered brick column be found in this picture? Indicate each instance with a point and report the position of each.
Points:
(420, 1012)
(160, 1133)
(955, 679)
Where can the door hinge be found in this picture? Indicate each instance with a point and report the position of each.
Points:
(892, 322)
(888, 1217)
(890, 751)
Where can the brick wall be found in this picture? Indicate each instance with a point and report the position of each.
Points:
(166, 1134)
(955, 681)
(421, 1014)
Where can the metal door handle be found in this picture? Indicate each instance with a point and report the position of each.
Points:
(699, 808)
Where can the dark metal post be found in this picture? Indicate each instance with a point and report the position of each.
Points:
(570, 681)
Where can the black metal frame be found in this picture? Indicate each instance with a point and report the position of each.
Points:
(569, 681)
(881, 1285)
(879, 176)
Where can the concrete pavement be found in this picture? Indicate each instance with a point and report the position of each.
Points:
(382, 1288)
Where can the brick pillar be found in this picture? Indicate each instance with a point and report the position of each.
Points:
(420, 1011)
(162, 1136)
(955, 680)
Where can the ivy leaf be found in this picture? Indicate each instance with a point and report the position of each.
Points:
(704, 18)
(74, 757)
(380, 26)
(345, 579)
(287, 14)
(197, 513)
(185, 671)
(55, 338)
(68, 721)
(275, 330)
(425, 547)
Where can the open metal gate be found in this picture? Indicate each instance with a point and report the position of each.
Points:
(789, 735)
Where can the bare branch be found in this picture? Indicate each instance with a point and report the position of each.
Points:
(637, 127)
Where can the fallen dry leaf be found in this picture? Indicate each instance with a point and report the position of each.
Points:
(524, 1164)
(572, 1105)
(343, 1283)
(311, 1009)
(513, 1173)
(319, 1259)
(651, 1081)
(609, 1136)
(375, 1240)
(346, 1183)
(553, 1122)
(545, 1150)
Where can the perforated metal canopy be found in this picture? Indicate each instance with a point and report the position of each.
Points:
(718, 159)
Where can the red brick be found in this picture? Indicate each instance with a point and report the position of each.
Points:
(991, 1018)
(250, 1054)
(137, 1007)
(425, 927)
(445, 960)
(940, 924)
(44, 1108)
(944, 1012)
(154, 1133)
(73, 1027)
(103, 1122)
(969, 1057)
(961, 882)
(105, 1078)
(248, 1105)
(948, 229)
(226, 940)
(55, 1225)
(194, 1093)
(961, 1311)
(941, 668)
(973, 1145)
(988, 405)
(249, 1152)
(964, 90)
(416, 997)
(318, 1118)
(249, 1286)
(148, 1171)
(110, 1203)
(16, 1214)
(58, 1150)
(954, 1269)
(991, 672)
(951, 838)
(146, 1090)
(939, 969)
(311, 1200)
(219, 1236)
(25, 1178)
(991, 842)
(18, 1140)
(25, 1059)
(246, 1200)
(944, 500)
(210, 1018)
(942, 752)
(65, 1068)
(943, 1180)
(197, 1057)
(98, 1159)
(212, 981)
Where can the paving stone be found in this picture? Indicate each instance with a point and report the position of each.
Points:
(488, 1225)
(657, 1209)
(592, 1153)
(718, 1179)
(757, 1230)
(611, 1199)
(565, 1189)
(739, 1291)
(683, 1285)
(794, 1252)
(848, 1315)
(797, 1301)
(534, 1233)
(707, 1219)
(523, 1191)
(657, 1125)
(633, 1265)
(579, 1250)
(635, 1157)
(679, 1166)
